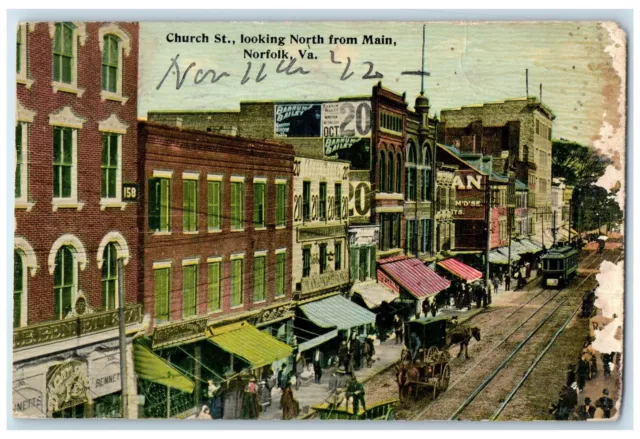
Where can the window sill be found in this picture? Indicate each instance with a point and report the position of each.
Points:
(258, 302)
(112, 203)
(22, 204)
(282, 296)
(258, 229)
(214, 230)
(281, 227)
(192, 232)
(66, 204)
(110, 96)
(25, 81)
(67, 88)
(237, 230)
(237, 306)
(157, 233)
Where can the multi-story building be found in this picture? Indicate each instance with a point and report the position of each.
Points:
(516, 133)
(561, 195)
(216, 232)
(76, 237)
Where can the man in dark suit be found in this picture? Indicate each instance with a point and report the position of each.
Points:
(318, 359)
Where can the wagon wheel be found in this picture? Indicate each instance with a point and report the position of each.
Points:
(445, 377)
(445, 356)
(432, 354)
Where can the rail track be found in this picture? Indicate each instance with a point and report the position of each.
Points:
(558, 300)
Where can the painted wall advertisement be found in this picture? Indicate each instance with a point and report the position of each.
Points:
(469, 187)
(298, 120)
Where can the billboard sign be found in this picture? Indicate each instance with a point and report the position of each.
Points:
(298, 120)
(355, 149)
(470, 197)
(346, 119)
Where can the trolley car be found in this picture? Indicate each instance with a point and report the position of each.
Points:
(559, 266)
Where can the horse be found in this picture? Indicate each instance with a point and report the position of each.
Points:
(401, 380)
(413, 375)
(463, 336)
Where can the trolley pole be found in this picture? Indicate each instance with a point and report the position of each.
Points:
(124, 398)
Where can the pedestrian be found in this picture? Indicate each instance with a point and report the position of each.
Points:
(343, 355)
(264, 393)
(318, 359)
(356, 351)
(606, 364)
(300, 364)
(397, 324)
(496, 283)
(571, 375)
(605, 403)
(216, 399)
(569, 398)
(369, 350)
(586, 411)
(583, 372)
(283, 376)
(355, 392)
(250, 406)
(507, 282)
(290, 407)
(434, 308)
(415, 346)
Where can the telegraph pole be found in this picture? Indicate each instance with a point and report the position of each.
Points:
(487, 218)
(124, 398)
(554, 227)
(510, 213)
(570, 225)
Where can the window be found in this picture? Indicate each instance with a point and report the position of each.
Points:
(338, 256)
(237, 281)
(64, 284)
(306, 201)
(281, 203)
(354, 262)
(161, 288)
(391, 122)
(338, 201)
(391, 181)
(323, 258)
(20, 163)
(411, 173)
(62, 162)
(306, 261)
(190, 205)
(396, 230)
(237, 205)
(537, 127)
(426, 236)
(189, 290)
(109, 165)
(213, 286)
(110, 61)
(109, 277)
(258, 204)
(63, 53)
(382, 180)
(426, 174)
(410, 238)
(364, 263)
(18, 288)
(281, 274)
(399, 174)
(214, 205)
(159, 198)
(19, 46)
(323, 201)
(442, 198)
(383, 232)
(259, 278)
(549, 134)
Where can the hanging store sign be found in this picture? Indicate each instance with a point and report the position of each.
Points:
(298, 120)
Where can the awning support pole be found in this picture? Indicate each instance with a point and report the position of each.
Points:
(124, 400)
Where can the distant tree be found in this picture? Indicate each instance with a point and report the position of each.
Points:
(578, 164)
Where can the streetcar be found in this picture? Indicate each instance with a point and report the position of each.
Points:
(559, 266)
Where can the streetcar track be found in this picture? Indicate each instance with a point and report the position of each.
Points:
(518, 348)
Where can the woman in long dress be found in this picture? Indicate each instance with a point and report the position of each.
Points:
(288, 403)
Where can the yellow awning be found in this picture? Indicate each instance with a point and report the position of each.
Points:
(150, 366)
(249, 343)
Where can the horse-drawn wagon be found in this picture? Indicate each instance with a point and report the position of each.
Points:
(424, 364)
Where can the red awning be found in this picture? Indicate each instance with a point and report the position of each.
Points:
(415, 277)
(463, 271)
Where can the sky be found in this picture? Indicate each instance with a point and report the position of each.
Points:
(579, 64)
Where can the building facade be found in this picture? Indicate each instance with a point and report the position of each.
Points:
(76, 230)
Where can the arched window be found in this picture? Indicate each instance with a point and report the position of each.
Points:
(383, 173)
(411, 172)
(110, 63)
(19, 287)
(399, 174)
(64, 282)
(390, 181)
(110, 277)
(426, 174)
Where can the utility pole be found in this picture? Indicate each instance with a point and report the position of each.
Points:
(510, 213)
(543, 228)
(570, 225)
(554, 227)
(124, 398)
(487, 218)
(526, 79)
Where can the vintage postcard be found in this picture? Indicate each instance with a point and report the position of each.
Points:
(319, 220)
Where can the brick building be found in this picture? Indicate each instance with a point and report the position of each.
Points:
(75, 146)
(216, 233)
(515, 132)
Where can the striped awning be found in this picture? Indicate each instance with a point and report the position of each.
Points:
(336, 312)
(249, 343)
(461, 270)
(156, 369)
(418, 279)
(317, 341)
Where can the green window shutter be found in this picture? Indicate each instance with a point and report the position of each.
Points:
(67, 161)
(280, 274)
(323, 201)
(19, 159)
(372, 258)
(165, 208)
(109, 277)
(338, 256)
(237, 205)
(364, 263)
(153, 215)
(57, 161)
(306, 262)
(338, 201)
(258, 204)
(281, 204)
(161, 293)
(189, 290)
(323, 258)
(19, 49)
(214, 286)
(213, 205)
(189, 206)
(63, 52)
(354, 254)
(259, 279)
(110, 60)
(18, 288)
(306, 201)
(109, 165)
(236, 281)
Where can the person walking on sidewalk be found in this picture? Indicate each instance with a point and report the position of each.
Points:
(586, 411)
(507, 282)
(290, 407)
(606, 404)
(496, 283)
(317, 365)
(397, 323)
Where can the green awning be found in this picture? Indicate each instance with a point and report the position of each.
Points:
(317, 341)
(249, 343)
(152, 367)
(336, 312)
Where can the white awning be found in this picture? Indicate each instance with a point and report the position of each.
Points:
(374, 294)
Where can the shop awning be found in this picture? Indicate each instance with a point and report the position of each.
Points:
(501, 256)
(533, 246)
(336, 312)
(374, 294)
(152, 367)
(317, 341)
(249, 343)
(461, 270)
(418, 279)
